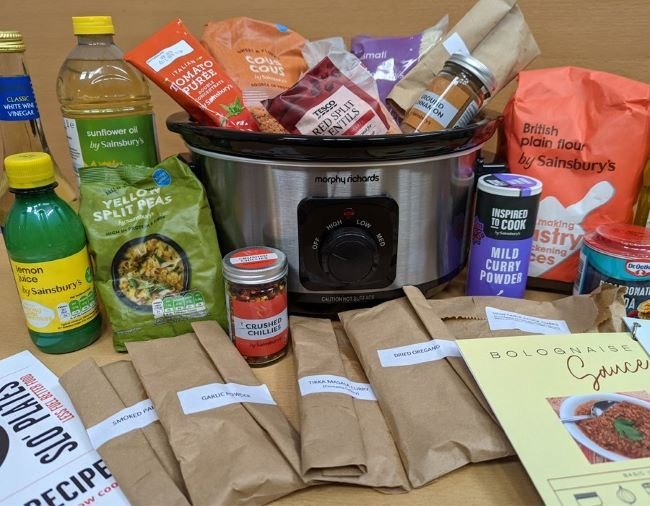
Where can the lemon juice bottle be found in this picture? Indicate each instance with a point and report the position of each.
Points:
(46, 243)
(105, 101)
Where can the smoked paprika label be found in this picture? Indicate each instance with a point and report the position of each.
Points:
(58, 295)
(260, 327)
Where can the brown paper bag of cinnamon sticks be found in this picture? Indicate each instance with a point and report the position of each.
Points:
(493, 31)
(140, 459)
(437, 423)
(232, 449)
(344, 434)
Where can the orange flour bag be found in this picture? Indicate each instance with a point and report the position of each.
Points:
(263, 58)
(585, 135)
(177, 62)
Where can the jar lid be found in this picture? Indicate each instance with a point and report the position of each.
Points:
(621, 240)
(510, 185)
(255, 265)
(11, 41)
(477, 68)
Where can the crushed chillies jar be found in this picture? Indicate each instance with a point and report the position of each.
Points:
(256, 289)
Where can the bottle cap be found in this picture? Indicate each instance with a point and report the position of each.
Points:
(93, 25)
(11, 42)
(29, 170)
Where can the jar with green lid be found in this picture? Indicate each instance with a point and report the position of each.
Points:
(453, 98)
(46, 243)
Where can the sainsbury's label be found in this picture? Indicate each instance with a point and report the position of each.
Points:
(126, 420)
(218, 395)
(419, 353)
(507, 320)
(341, 113)
(329, 383)
(58, 295)
(112, 141)
(17, 101)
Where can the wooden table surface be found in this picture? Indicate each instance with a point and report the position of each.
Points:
(502, 482)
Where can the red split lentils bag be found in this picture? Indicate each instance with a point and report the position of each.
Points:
(586, 135)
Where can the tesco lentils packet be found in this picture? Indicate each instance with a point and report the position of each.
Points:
(327, 102)
(154, 247)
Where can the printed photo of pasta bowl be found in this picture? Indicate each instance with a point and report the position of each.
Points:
(620, 432)
(149, 268)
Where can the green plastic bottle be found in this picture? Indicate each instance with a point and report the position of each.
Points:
(46, 243)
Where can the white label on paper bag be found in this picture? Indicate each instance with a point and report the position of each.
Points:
(126, 420)
(507, 320)
(167, 56)
(217, 395)
(329, 383)
(455, 44)
(419, 353)
(642, 332)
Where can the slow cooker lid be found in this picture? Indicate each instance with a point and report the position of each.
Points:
(306, 148)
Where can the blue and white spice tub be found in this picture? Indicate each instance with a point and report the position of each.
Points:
(504, 222)
(617, 254)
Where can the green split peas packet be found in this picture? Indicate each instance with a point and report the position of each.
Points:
(154, 246)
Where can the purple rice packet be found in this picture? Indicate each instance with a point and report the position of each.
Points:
(389, 58)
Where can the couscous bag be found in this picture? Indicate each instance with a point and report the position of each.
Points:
(154, 246)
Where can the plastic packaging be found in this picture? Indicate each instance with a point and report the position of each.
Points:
(20, 123)
(46, 243)
(105, 102)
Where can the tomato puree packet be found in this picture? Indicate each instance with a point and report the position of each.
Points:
(584, 134)
(263, 58)
(326, 102)
(177, 62)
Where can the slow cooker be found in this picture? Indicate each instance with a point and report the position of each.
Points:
(357, 217)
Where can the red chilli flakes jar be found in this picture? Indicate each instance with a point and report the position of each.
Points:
(256, 287)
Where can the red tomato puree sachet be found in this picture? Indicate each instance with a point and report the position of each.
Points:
(177, 62)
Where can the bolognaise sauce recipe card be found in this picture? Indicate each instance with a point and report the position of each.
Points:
(576, 408)
(45, 455)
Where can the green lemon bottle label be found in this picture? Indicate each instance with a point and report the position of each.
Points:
(112, 141)
(57, 295)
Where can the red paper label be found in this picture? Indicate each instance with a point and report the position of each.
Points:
(260, 327)
(254, 258)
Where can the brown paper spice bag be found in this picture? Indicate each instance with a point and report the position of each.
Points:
(227, 457)
(330, 434)
(493, 31)
(340, 432)
(144, 476)
(437, 423)
(125, 382)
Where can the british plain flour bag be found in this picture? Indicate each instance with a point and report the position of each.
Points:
(585, 135)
